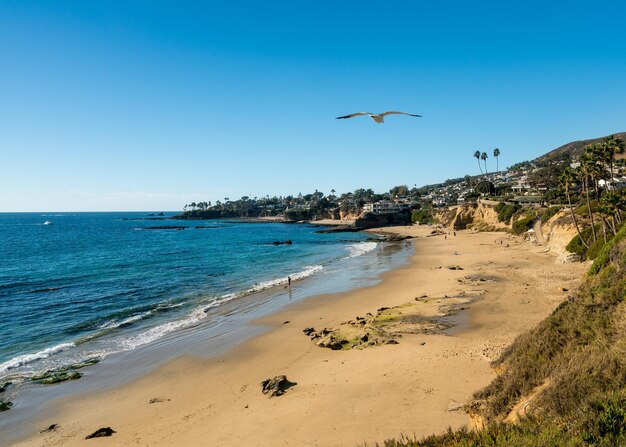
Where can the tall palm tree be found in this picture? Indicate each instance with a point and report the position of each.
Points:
(612, 145)
(612, 204)
(496, 154)
(596, 167)
(477, 155)
(483, 157)
(567, 178)
(586, 161)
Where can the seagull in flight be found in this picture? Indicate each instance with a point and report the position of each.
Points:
(378, 117)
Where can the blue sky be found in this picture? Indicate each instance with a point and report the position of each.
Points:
(108, 105)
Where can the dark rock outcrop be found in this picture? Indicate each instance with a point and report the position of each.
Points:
(370, 220)
(326, 338)
(276, 386)
(5, 405)
(51, 377)
(331, 342)
(389, 238)
(340, 229)
(101, 433)
(287, 242)
(50, 428)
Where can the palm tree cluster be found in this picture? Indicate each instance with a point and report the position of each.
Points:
(483, 156)
(594, 181)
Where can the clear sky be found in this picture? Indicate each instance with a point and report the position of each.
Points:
(128, 105)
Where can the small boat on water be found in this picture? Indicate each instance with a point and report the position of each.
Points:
(47, 222)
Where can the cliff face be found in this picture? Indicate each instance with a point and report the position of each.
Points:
(349, 215)
(475, 216)
(558, 232)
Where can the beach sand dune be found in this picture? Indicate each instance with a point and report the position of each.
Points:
(343, 397)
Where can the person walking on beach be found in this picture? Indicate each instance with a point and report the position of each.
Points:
(289, 281)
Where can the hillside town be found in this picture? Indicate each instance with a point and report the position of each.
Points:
(538, 182)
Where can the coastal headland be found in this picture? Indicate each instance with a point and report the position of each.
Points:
(462, 299)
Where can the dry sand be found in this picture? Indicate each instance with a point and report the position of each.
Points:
(342, 398)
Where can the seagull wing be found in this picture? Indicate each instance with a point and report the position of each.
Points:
(353, 115)
(397, 113)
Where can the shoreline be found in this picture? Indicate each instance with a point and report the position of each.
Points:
(342, 397)
(227, 326)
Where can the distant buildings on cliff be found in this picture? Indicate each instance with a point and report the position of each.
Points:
(387, 207)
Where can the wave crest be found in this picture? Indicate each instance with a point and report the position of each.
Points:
(360, 249)
(28, 358)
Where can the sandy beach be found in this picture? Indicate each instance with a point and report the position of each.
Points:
(500, 286)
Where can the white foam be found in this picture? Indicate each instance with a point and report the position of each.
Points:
(199, 314)
(360, 249)
(159, 331)
(113, 324)
(285, 280)
(20, 360)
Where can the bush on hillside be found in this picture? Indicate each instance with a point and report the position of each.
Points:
(505, 212)
(583, 211)
(522, 225)
(549, 213)
(576, 245)
(422, 217)
(604, 255)
(594, 249)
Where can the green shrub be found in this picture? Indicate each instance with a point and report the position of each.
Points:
(576, 245)
(549, 213)
(505, 212)
(422, 216)
(522, 225)
(595, 248)
(582, 209)
(603, 256)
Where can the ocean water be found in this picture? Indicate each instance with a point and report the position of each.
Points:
(90, 285)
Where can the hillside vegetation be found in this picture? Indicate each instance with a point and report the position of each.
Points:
(564, 382)
(574, 149)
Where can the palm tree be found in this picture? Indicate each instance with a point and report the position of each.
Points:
(586, 161)
(612, 145)
(483, 157)
(567, 178)
(496, 154)
(611, 205)
(596, 168)
(477, 155)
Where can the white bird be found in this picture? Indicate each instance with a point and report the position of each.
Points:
(378, 117)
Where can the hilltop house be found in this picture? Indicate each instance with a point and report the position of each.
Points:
(386, 207)
(616, 183)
